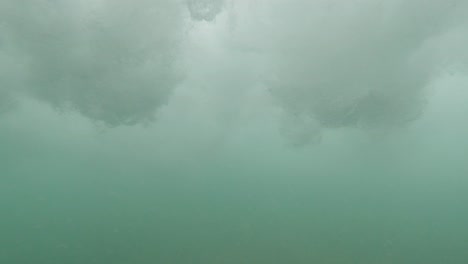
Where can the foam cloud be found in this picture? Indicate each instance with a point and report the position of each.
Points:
(206, 10)
(113, 61)
(356, 63)
(328, 64)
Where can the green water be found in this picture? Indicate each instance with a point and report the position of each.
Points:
(248, 133)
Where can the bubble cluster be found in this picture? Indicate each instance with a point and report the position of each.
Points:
(356, 64)
(113, 61)
(206, 10)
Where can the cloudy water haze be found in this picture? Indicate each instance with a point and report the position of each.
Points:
(233, 131)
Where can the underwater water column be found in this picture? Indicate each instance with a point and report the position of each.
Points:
(233, 131)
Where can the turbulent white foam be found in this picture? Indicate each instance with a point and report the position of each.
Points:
(356, 63)
(206, 10)
(113, 61)
(331, 63)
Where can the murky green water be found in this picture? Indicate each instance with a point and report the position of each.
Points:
(219, 132)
